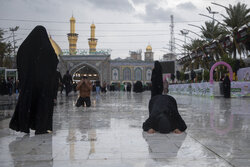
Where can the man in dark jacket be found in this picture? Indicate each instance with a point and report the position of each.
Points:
(164, 116)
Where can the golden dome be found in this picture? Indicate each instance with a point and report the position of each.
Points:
(92, 25)
(57, 49)
(72, 18)
(149, 48)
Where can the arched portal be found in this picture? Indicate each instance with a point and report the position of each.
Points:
(87, 70)
(217, 64)
(138, 74)
(127, 74)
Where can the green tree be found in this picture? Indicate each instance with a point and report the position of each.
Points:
(237, 16)
(206, 75)
(212, 31)
(5, 50)
(2, 47)
(182, 76)
(195, 44)
(234, 63)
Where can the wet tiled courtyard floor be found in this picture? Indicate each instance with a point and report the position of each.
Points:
(109, 134)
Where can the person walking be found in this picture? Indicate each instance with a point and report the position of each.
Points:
(36, 65)
(165, 87)
(104, 87)
(84, 87)
(58, 81)
(67, 81)
(10, 85)
(97, 86)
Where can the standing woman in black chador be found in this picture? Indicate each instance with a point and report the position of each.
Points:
(156, 79)
(36, 64)
(227, 87)
(67, 80)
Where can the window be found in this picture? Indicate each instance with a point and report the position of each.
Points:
(115, 74)
(148, 74)
(138, 74)
(126, 74)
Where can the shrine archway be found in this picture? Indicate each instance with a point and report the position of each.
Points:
(85, 69)
(211, 80)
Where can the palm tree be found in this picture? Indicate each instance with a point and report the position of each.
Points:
(193, 46)
(212, 31)
(238, 16)
(196, 43)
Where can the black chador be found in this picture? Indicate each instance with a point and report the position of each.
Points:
(163, 115)
(156, 79)
(227, 87)
(138, 87)
(67, 80)
(58, 80)
(36, 65)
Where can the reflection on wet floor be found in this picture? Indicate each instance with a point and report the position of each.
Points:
(109, 134)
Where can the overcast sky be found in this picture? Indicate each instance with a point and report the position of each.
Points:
(121, 25)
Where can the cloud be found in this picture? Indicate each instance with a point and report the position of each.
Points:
(138, 1)
(115, 5)
(155, 13)
(186, 6)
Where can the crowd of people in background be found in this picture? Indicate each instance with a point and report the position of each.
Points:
(66, 83)
(9, 87)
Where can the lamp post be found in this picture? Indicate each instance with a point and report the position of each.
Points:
(211, 12)
(192, 32)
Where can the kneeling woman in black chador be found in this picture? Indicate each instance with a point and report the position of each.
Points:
(164, 116)
(36, 65)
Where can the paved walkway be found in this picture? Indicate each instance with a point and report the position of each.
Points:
(109, 134)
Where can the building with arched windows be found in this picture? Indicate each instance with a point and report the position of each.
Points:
(97, 64)
(130, 70)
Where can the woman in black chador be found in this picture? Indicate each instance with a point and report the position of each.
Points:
(36, 64)
(164, 116)
(156, 79)
(227, 87)
(138, 87)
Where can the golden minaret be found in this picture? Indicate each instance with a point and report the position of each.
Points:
(92, 40)
(72, 37)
